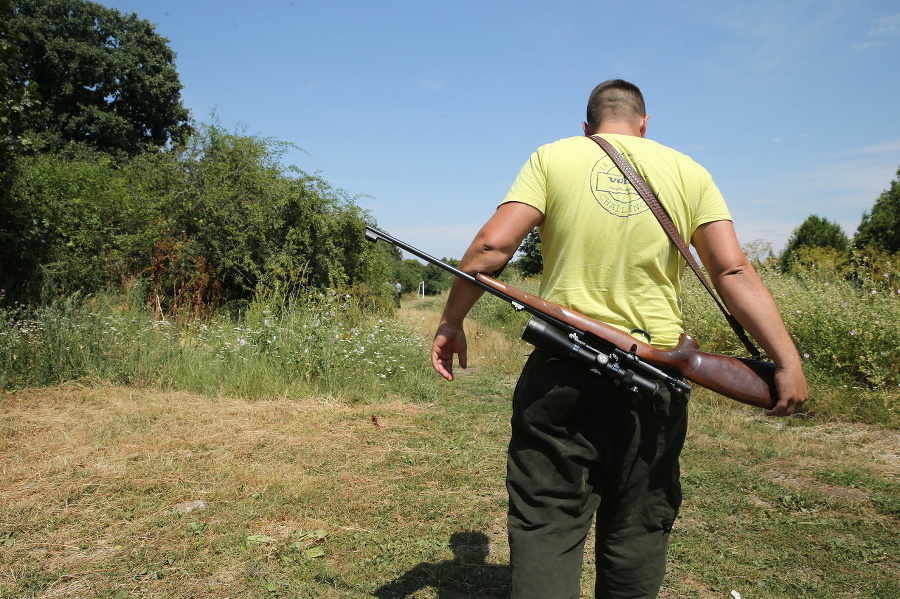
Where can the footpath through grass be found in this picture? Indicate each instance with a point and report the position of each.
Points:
(114, 492)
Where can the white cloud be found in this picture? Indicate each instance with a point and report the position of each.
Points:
(868, 45)
(750, 230)
(889, 26)
(427, 86)
(838, 189)
(888, 148)
(772, 35)
(883, 27)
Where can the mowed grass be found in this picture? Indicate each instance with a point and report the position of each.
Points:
(114, 492)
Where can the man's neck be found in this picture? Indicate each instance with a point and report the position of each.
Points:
(634, 129)
(618, 129)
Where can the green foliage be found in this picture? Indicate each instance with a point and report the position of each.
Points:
(214, 219)
(759, 252)
(412, 273)
(530, 262)
(14, 99)
(249, 223)
(815, 231)
(215, 222)
(79, 221)
(493, 312)
(880, 226)
(95, 76)
(843, 332)
(823, 264)
(874, 269)
(868, 269)
(437, 279)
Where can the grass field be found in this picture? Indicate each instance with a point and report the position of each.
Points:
(121, 492)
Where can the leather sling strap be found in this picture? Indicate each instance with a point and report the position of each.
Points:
(659, 212)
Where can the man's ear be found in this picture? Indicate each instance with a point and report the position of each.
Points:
(644, 120)
(587, 129)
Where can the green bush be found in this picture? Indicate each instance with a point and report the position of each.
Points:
(204, 226)
(253, 223)
(499, 314)
(81, 221)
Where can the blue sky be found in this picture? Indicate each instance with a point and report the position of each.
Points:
(424, 111)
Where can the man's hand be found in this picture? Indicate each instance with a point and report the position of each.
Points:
(448, 340)
(792, 391)
(491, 249)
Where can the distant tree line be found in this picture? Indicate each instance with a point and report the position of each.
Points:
(871, 257)
(414, 275)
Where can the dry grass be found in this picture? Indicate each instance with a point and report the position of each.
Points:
(95, 477)
(96, 483)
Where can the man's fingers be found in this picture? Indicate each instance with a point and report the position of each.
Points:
(785, 407)
(448, 341)
(443, 366)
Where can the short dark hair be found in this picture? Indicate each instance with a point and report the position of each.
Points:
(615, 100)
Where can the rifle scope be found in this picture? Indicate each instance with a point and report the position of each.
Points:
(547, 337)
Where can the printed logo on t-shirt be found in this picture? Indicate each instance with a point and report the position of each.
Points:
(613, 191)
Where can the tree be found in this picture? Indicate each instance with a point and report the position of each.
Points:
(81, 221)
(437, 279)
(880, 226)
(530, 262)
(14, 99)
(241, 220)
(410, 273)
(815, 231)
(96, 76)
(759, 252)
(217, 221)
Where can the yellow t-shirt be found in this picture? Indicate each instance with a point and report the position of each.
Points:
(605, 254)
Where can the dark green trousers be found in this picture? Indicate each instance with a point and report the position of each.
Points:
(582, 447)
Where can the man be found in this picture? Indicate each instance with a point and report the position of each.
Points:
(581, 446)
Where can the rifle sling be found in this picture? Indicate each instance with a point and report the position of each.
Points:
(662, 216)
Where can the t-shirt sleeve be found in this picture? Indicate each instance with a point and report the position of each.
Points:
(530, 185)
(712, 206)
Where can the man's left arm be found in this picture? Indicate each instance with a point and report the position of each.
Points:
(751, 303)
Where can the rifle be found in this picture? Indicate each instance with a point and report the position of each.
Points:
(606, 350)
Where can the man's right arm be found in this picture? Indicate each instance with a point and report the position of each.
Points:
(491, 249)
(751, 303)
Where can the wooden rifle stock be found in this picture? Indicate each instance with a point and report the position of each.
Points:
(748, 381)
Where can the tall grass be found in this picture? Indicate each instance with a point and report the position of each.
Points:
(316, 344)
(331, 344)
(838, 327)
(847, 335)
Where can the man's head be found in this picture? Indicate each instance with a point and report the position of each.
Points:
(616, 106)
